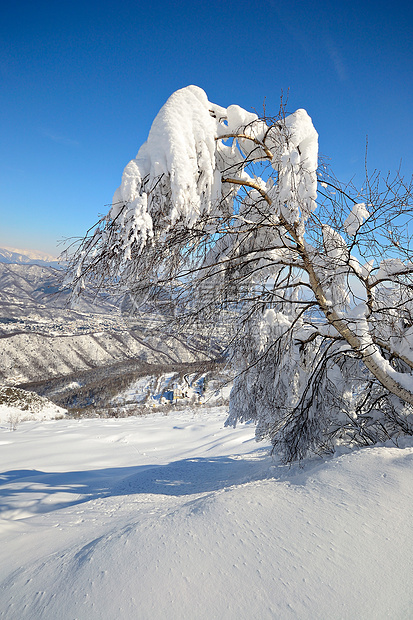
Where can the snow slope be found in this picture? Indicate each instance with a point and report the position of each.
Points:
(41, 338)
(178, 517)
(18, 405)
(28, 357)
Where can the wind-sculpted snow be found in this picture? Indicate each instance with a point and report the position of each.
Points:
(177, 517)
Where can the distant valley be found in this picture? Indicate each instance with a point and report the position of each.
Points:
(79, 357)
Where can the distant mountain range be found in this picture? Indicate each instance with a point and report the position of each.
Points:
(27, 257)
(42, 337)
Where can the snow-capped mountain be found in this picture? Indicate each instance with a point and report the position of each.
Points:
(27, 257)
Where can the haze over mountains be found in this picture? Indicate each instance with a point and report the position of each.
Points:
(76, 352)
(21, 256)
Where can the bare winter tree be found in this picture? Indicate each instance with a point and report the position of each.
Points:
(228, 219)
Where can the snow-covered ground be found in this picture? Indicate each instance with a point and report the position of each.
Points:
(176, 517)
(18, 406)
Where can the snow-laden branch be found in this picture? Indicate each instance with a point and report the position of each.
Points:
(221, 207)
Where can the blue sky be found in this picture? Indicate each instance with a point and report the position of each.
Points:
(81, 82)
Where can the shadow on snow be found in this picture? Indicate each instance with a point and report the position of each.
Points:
(39, 491)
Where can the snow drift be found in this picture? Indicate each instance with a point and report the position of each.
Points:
(176, 517)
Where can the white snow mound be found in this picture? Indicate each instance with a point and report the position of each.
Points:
(18, 405)
(177, 517)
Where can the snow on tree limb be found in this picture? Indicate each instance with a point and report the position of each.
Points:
(221, 208)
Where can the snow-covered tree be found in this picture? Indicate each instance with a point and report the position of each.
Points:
(231, 219)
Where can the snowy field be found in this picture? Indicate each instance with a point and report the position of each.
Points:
(176, 517)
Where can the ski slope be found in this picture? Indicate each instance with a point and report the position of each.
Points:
(176, 517)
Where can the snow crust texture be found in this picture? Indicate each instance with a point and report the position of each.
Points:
(176, 517)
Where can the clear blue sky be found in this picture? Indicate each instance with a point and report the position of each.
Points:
(80, 83)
